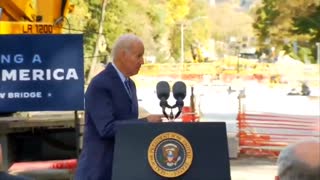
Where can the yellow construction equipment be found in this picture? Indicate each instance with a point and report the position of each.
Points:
(33, 16)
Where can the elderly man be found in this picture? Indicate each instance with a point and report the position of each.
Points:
(110, 98)
(300, 161)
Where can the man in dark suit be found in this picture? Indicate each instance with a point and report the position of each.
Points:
(110, 98)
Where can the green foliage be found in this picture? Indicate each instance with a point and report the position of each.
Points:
(289, 21)
(309, 25)
(196, 26)
(114, 24)
(305, 53)
(177, 10)
(265, 18)
(80, 20)
(158, 23)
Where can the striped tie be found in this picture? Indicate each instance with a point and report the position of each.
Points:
(127, 84)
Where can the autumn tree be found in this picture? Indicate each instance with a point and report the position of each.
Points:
(291, 25)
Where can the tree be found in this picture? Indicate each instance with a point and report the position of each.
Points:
(265, 18)
(97, 47)
(229, 21)
(231, 26)
(176, 12)
(309, 25)
(290, 25)
(78, 21)
(119, 19)
(157, 14)
(198, 28)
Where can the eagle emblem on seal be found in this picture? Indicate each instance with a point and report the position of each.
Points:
(170, 153)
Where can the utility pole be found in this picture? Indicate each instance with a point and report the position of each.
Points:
(182, 43)
(182, 26)
(96, 49)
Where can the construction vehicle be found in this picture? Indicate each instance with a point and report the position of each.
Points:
(36, 136)
(249, 53)
(33, 17)
(201, 53)
(198, 54)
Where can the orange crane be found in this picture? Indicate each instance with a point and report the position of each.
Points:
(33, 16)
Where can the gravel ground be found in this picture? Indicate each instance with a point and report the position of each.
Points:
(251, 168)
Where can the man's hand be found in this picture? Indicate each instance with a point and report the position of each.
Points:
(155, 118)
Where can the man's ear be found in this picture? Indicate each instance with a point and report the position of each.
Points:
(123, 53)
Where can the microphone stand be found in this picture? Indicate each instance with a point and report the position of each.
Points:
(179, 104)
(164, 104)
(171, 117)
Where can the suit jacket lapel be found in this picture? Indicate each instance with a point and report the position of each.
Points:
(120, 84)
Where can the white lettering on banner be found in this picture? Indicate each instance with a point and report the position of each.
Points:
(7, 58)
(36, 58)
(12, 75)
(2, 95)
(38, 74)
(72, 74)
(18, 58)
(24, 75)
(56, 74)
(24, 95)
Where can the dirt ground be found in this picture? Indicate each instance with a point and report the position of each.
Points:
(253, 168)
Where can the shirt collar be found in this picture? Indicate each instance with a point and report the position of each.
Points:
(122, 77)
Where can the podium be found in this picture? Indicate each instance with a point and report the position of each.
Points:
(173, 150)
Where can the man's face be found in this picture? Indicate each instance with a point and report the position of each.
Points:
(133, 58)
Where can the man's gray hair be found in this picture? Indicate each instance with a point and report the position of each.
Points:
(124, 42)
(291, 166)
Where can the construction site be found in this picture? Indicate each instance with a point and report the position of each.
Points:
(45, 70)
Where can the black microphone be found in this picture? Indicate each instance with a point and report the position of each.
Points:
(163, 93)
(179, 93)
(163, 90)
(179, 90)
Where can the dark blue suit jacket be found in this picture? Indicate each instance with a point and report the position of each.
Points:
(106, 104)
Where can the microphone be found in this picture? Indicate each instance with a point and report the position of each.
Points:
(179, 90)
(163, 90)
(179, 93)
(163, 93)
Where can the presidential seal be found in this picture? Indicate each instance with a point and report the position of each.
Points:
(170, 154)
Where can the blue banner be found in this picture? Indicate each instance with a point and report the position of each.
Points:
(41, 73)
